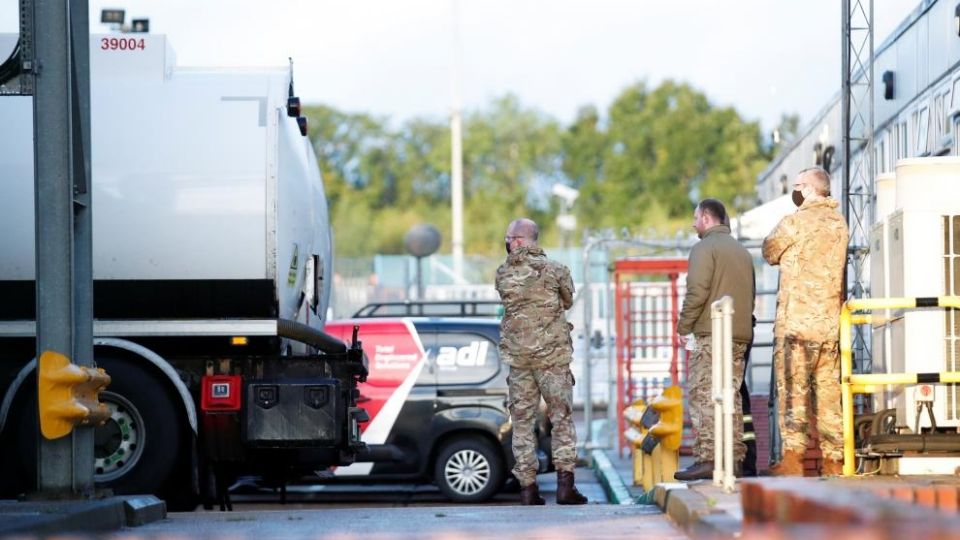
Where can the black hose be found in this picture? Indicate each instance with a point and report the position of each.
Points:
(10, 67)
(926, 442)
(311, 336)
(883, 422)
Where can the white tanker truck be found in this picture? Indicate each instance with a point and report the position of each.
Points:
(212, 269)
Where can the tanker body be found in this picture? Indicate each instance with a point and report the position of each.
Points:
(212, 266)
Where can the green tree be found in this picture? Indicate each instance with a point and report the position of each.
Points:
(393, 179)
(512, 156)
(642, 164)
(662, 150)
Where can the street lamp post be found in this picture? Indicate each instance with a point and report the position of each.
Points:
(456, 153)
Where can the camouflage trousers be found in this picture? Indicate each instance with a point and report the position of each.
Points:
(526, 386)
(699, 388)
(808, 382)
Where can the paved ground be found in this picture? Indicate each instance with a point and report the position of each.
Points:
(405, 511)
(552, 522)
(393, 495)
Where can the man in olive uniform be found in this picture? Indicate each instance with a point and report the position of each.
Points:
(810, 246)
(719, 266)
(535, 342)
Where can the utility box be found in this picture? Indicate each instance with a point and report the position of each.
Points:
(297, 412)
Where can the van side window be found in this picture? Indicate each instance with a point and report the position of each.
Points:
(464, 358)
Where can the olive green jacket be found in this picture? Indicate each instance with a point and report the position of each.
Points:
(719, 265)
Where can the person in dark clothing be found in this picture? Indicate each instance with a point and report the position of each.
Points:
(749, 464)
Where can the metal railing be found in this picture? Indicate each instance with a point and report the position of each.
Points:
(431, 308)
(870, 383)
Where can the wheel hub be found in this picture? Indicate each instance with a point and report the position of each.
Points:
(467, 472)
(118, 443)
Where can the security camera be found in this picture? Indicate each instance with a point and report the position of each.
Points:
(567, 193)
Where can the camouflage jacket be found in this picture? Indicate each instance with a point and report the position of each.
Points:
(536, 292)
(811, 248)
(719, 266)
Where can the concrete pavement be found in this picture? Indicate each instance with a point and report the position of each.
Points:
(96, 515)
(699, 508)
(862, 507)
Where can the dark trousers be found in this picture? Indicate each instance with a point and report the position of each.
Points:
(749, 435)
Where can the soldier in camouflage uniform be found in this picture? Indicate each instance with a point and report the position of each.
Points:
(535, 342)
(719, 266)
(810, 247)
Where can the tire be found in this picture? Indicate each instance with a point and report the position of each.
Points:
(469, 470)
(143, 411)
(18, 447)
(137, 448)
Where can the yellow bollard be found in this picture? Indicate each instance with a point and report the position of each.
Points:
(635, 434)
(69, 395)
(661, 443)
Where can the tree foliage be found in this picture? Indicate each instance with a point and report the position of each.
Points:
(644, 163)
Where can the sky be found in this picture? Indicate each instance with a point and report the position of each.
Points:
(396, 58)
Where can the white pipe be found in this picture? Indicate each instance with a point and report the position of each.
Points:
(728, 406)
(721, 318)
(608, 312)
(587, 372)
(715, 392)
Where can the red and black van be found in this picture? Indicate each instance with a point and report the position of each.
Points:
(436, 395)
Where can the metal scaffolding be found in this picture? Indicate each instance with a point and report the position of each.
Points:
(857, 154)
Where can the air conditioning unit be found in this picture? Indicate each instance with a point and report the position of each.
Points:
(921, 251)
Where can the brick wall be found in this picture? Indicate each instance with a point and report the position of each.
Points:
(761, 426)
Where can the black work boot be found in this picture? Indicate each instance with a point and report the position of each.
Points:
(701, 470)
(530, 496)
(567, 492)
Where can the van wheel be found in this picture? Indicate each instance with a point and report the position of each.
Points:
(469, 470)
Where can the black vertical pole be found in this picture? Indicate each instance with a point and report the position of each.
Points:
(419, 278)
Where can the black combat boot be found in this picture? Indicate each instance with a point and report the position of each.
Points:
(701, 470)
(530, 496)
(567, 492)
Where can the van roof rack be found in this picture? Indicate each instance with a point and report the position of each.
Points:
(431, 308)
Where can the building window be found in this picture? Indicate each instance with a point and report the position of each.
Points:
(881, 153)
(903, 143)
(923, 132)
(955, 95)
(956, 135)
(942, 114)
(464, 358)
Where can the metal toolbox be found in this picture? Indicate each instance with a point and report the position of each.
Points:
(294, 413)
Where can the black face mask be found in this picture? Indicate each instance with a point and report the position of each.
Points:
(507, 244)
(797, 197)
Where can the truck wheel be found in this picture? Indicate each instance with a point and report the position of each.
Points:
(136, 449)
(468, 470)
